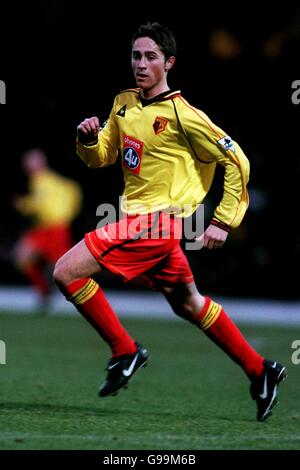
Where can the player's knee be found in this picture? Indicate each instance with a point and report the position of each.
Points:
(23, 256)
(185, 310)
(190, 307)
(61, 273)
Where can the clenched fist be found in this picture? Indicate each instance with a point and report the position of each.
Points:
(88, 130)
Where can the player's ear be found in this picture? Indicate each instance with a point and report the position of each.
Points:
(169, 63)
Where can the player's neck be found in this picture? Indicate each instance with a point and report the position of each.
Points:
(150, 93)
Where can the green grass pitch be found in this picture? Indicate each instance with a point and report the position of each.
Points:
(191, 395)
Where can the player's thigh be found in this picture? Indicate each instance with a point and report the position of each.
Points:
(25, 251)
(184, 298)
(77, 263)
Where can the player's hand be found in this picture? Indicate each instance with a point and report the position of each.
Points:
(88, 130)
(213, 237)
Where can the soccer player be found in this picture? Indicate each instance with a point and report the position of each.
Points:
(52, 203)
(169, 152)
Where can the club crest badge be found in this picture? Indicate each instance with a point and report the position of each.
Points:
(159, 124)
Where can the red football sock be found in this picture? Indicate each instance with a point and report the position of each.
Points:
(90, 301)
(217, 325)
(37, 278)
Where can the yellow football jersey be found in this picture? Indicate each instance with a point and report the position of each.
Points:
(169, 152)
(52, 199)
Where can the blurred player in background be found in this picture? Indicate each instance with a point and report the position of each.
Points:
(52, 204)
(169, 152)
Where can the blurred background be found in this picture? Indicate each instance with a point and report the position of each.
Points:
(62, 62)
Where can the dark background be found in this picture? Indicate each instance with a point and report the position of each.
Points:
(63, 61)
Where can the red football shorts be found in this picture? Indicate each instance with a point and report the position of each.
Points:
(50, 242)
(144, 246)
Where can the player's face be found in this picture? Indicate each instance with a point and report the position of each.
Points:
(33, 161)
(149, 68)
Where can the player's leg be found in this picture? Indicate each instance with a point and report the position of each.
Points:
(72, 274)
(28, 260)
(175, 279)
(212, 319)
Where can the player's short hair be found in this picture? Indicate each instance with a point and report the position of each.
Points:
(161, 35)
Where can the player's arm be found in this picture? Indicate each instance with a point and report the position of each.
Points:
(98, 146)
(211, 144)
(33, 202)
(26, 205)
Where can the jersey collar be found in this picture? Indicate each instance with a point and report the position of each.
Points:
(166, 95)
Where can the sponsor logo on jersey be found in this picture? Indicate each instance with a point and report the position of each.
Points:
(227, 143)
(132, 153)
(122, 111)
(159, 124)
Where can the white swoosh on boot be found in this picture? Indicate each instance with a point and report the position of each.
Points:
(128, 372)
